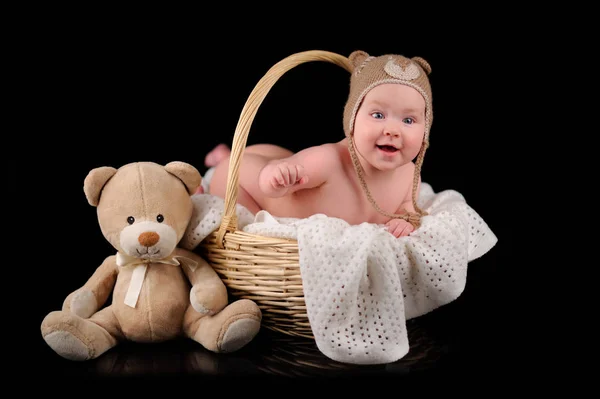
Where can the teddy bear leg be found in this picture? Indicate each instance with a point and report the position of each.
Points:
(76, 338)
(227, 331)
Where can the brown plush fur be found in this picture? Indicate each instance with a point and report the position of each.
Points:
(146, 207)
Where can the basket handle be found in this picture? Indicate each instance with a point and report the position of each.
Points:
(229, 220)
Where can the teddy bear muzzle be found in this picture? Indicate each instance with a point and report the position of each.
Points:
(148, 240)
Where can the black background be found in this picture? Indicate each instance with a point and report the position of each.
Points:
(105, 92)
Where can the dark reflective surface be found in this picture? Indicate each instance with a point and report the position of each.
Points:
(271, 354)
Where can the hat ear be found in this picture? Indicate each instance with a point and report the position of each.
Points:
(357, 57)
(95, 181)
(424, 64)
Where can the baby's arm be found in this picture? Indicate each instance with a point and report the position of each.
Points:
(401, 227)
(308, 168)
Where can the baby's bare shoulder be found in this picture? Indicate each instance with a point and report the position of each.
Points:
(329, 155)
(329, 149)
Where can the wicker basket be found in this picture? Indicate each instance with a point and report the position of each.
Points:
(263, 269)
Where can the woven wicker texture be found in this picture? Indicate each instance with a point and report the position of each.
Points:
(263, 269)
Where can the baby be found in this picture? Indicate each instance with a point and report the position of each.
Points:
(369, 176)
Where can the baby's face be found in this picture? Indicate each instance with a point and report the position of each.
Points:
(390, 125)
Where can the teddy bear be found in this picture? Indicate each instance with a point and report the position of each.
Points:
(160, 290)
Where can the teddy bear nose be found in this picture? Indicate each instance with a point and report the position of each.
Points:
(148, 238)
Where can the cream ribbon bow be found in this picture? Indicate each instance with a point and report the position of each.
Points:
(137, 277)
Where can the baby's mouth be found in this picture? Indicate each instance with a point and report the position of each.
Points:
(387, 148)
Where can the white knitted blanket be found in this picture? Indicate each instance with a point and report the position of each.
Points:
(361, 283)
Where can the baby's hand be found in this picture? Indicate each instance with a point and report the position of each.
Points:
(399, 227)
(283, 175)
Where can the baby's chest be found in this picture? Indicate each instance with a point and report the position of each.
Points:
(352, 204)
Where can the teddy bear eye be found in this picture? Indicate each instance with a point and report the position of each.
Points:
(160, 218)
(130, 219)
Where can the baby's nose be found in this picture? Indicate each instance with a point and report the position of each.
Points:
(148, 238)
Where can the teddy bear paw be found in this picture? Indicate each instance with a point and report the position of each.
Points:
(68, 345)
(83, 304)
(202, 302)
(75, 338)
(238, 334)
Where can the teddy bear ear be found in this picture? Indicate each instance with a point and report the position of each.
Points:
(357, 57)
(189, 175)
(94, 183)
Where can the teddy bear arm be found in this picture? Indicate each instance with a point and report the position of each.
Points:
(202, 273)
(86, 300)
(208, 293)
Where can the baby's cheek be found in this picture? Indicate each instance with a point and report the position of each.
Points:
(414, 142)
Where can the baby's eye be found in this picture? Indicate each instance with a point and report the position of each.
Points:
(377, 115)
(408, 121)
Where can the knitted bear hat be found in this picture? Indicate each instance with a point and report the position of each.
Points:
(369, 72)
